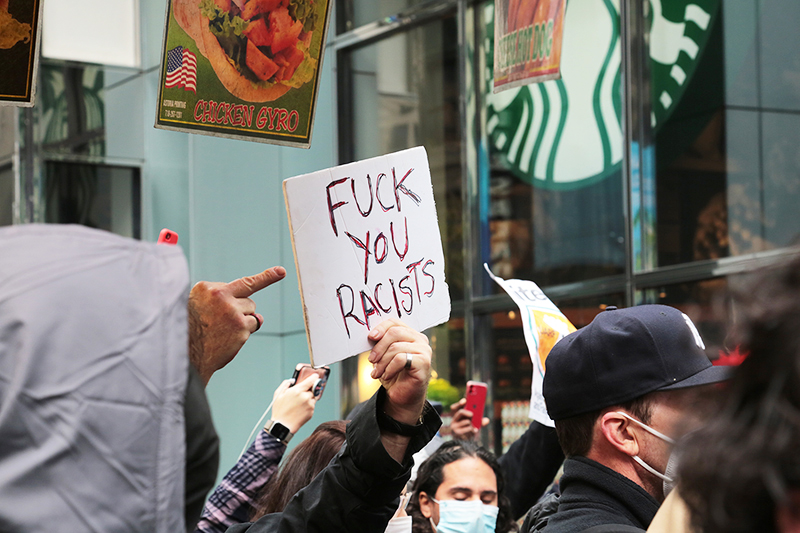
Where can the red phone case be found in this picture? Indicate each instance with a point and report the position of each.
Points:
(476, 400)
(167, 236)
(302, 371)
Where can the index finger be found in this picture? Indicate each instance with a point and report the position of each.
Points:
(248, 285)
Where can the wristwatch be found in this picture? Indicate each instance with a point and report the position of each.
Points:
(388, 423)
(279, 431)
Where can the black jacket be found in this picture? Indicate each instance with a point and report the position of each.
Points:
(529, 466)
(358, 491)
(594, 495)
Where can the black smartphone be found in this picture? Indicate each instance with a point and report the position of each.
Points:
(303, 370)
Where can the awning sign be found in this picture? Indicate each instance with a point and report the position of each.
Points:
(367, 248)
(544, 325)
(246, 69)
(19, 51)
(528, 36)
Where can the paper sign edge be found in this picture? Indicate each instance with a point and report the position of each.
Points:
(297, 269)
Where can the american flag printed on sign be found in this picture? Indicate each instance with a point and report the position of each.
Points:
(181, 69)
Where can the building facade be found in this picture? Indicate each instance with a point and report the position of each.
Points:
(661, 166)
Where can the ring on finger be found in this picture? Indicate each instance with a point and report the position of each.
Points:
(409, 360)
(258, 322)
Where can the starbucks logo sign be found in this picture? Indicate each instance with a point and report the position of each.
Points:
(566, 133)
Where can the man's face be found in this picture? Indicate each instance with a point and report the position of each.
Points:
(466, 479)
(674, 413)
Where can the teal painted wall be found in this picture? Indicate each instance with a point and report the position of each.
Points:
(224, 198)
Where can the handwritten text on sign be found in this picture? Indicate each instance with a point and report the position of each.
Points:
(368, 248)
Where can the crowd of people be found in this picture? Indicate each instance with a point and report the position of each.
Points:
(104, 423)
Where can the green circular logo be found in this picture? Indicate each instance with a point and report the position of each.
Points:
(566, 134)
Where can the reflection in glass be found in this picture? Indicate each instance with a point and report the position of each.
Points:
(98, 196)
(726, 129)
(6, 195)
(355, 13)
(405, 94)
(8, 132)
(71, 110)
(554, 182)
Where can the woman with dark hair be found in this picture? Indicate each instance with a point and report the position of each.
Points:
(301, 466)
(459, 488)
(233, 501)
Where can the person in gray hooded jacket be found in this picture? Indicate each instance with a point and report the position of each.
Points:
(104, 424)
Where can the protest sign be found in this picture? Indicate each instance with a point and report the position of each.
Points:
(544, 325)
(367, 248)
(527, 41)
(19, 51)
(245, 69)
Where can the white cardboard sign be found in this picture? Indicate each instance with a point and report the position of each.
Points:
(544, 325)
(367, 248)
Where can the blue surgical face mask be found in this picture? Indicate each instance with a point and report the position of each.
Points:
(473, 516)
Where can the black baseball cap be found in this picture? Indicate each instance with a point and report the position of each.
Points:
(624, 354)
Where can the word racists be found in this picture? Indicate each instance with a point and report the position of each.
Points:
(367, 248)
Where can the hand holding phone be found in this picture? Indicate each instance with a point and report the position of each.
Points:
(293, 406)
(302, 371)
(476, 401)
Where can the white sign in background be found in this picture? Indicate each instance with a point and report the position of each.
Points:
(367, 248)
(544, 325)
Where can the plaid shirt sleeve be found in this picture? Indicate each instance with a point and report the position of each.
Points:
(232, 501)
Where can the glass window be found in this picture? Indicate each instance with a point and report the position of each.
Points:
(355, 13)
(98, 196)
(71, 110)
(8, 131)
(727, 134)
(553, 183)
(6, 195)
(405, 93)
(449, 352)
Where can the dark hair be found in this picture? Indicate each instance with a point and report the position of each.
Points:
(431, 474)
(576, 432)
(301, 466)
(734, 471)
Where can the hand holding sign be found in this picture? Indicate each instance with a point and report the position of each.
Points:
(367, 248)
(222, 317)
(404, 378)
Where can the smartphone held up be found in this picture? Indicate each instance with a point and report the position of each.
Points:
(304, 370)
(476, 401)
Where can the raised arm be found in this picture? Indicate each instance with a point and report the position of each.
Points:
(358, 492)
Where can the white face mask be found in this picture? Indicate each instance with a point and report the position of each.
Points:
(670, 473)
(399, 524)
(473, 516)
(666, 476)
